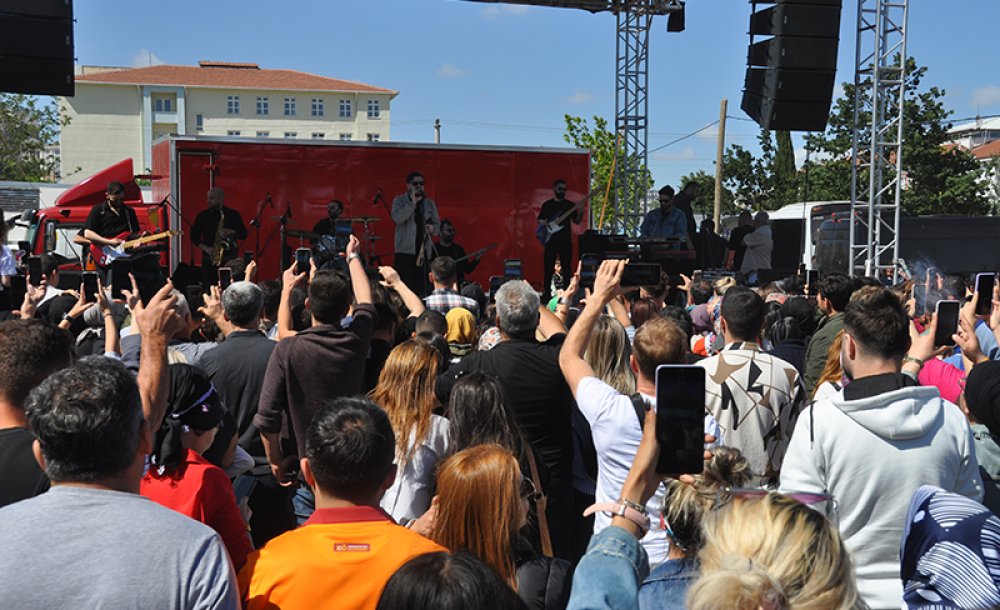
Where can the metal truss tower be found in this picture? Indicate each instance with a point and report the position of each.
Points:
(877, 146)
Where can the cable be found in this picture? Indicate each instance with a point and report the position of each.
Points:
(682, 138)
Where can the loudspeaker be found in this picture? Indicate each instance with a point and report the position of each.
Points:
(36, 49)
(790, 76)
(675, 20)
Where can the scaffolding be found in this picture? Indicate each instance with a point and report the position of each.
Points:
(877, 143)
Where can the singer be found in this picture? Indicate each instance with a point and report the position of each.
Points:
(417, 221)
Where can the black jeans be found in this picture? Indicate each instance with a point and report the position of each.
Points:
(413, 276)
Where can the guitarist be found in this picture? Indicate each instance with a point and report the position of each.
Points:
(417, 221)
(205, 232)
(446, 246)
(110, 219)
(560, 244)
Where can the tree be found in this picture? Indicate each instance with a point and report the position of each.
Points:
(937, 180)
(601, 144)
(767, 182)
(26, 129)
(705, 202)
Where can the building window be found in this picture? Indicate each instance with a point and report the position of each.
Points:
(318, 135)
(291, 134)
(345, 108)
(263, 134)
(232, 104)
(263, 105)
(163, 104)
(373, 137)
(346, 137)
(199, 122)
(373, 111)
(233, 132)
(289, 106)
(317, 107)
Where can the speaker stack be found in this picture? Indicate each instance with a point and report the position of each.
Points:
(36, 47)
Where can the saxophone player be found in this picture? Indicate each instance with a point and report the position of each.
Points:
(215, 232)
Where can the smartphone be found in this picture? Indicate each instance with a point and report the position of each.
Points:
(802, 270)
(89, 286)
(193, 293)
(302, 257)
(947, 322)
(512, 269)
(247, 257)
(225, 277)
(18, 288)
(812, 283)
(119, 278)
(496, 281)
(588, 269)
(35, 270)
(919, 299)
(984, 286)
(680, 418)
(641, 274)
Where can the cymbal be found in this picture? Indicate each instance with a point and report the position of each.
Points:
(364, 219)
(374, 237)
(301, 234)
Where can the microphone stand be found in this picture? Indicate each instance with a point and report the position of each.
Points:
(184, 220)
(256, 221)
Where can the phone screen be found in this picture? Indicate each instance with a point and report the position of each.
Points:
(247, 257)
(812, 282)
(496, 281)
(512, 269)
(641, 274)
(119, 278)
(984, 286)
(588, 269)
(35, 270)
(18, 288)
(89, 286)
(919, 299)
(302, 256)
(680, 418)
(947, 322)
(225, 277)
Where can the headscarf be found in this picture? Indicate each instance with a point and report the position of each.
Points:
(982, 395)
(803, 312)
(461, 330)
(194, 404)
(950, 551)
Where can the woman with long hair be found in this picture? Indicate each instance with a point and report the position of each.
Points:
(831, 380)
(608, 355)
(405, 391)
(482, 505)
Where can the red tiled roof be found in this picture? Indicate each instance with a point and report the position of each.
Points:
(228, 75)
(987, 151)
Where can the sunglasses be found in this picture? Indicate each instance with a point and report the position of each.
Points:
(417, 183)
(829, 503)
(528, 490)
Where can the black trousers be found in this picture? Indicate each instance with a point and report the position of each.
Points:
(413, 276)
(559, 246)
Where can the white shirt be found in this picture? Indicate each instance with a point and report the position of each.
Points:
(51, 292)
(616, 432)
(411, 493)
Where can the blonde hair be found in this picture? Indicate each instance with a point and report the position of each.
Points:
(608, 354)
(723, 284)
(773, 551)
(479, 506)
(405, 391)
(833, 370)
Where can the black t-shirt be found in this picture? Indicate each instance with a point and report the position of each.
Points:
(456, 252)
(553, 209)
(736, 243)
(109, 222)
(20, 475)
(324, 227)
(206, 223)
(682, 203)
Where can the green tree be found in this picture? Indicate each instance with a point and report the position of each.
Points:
(764, 182)
(601, 143)
(26, 128)
(937, 180)
(705, 202)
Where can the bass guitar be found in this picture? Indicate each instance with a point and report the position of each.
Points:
(546, 230)
(476, 253)
(103, 255)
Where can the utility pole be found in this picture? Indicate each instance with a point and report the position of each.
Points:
(437, 131)
(720, 146)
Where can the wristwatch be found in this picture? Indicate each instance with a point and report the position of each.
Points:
(67, 318)
(352, 256)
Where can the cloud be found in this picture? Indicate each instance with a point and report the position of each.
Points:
(504, 10)
(451, 71)
(986, 96)
(686, 154)
(580, 97)
(145, 58)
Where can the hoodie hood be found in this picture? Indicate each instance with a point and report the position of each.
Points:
(902, 414)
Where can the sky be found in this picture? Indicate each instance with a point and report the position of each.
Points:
(507, 74)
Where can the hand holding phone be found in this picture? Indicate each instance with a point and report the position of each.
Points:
(984, 286)
(225, 277)
(947, 322)
(35, 270)
(89, 281)
(680, 419)
(302, 258)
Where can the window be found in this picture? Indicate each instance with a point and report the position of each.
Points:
(373, 137)
(233, 132)
(163, 104)
(318, 135)
(289, 106)
(346, 137)
(373, 112)
(263, 134)
(232, 104)
(199, 122)
(317, 107)
(291, 134)
(263, 105)
(345, 108)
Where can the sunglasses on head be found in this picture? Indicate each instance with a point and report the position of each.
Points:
(808, 498)
(528, 490)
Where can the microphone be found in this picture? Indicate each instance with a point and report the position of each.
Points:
(288, 210)
(378, 195)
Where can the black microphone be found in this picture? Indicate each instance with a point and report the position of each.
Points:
(378, 195)
(288, 210)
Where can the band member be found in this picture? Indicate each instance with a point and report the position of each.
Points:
(416, 218)
(217, 243)
(327, 226)
(446, 246)
(108, 220)
(560, 244)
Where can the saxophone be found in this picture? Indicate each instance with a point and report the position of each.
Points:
(219, 246)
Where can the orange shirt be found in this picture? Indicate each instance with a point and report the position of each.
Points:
(341, 558)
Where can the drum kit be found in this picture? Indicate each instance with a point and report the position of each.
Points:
(326, 246)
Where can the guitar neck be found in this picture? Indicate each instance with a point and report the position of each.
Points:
(573, 210)
(141, 240)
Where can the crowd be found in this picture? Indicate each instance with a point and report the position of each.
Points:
(336, 440)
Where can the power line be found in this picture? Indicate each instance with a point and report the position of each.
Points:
(684, 137)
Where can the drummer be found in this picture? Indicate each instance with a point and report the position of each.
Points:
(328, 225)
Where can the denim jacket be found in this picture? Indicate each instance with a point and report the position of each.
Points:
(608, 576)
(667, 585)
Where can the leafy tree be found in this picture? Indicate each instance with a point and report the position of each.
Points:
(764, 182)
(601, 143)
(705, 202)
(26, 128)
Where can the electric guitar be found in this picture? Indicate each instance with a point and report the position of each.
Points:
(103, 255)
(476, 253)
(546, 230)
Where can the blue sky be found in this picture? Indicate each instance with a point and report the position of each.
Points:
(506, 74)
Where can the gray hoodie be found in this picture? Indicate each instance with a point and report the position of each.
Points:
(872, 455)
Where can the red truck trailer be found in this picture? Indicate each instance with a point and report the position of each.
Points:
(491, 194)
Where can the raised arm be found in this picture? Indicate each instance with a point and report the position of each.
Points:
(359, 278)
(289, 280)
(402, 208)
(157, 321)
(606, 284)
(390, 279)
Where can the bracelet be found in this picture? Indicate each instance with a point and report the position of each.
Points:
(914, 359)
(353, 256)
(612, 509)
(639, 508)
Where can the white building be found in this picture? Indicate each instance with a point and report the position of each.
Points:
(976, 133)
(119, 112)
